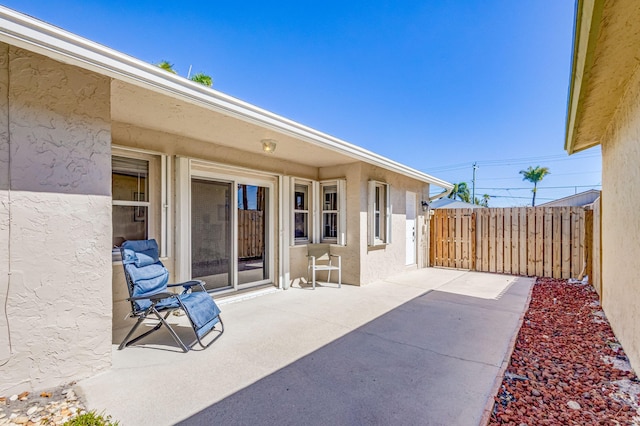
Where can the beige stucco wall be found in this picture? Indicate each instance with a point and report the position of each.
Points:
(621, 221)
(130, 136)
(349, 253)
(361, 264)
(383, 261)
(58, 232)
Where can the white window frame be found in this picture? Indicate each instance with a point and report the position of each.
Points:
(152, 203)
(379, 215)
(188, 168)
(341, 202)
(316, 211)
(309, 211)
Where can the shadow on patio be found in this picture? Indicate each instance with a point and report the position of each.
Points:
(413, 349)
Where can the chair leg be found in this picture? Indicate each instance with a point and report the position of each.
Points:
(162, 321)
(125, 342)
(313, 273)
(171, 331)
(214, 339)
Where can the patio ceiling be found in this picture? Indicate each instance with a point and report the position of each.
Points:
(144, 108)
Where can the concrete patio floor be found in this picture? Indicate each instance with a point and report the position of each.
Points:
(424, 347)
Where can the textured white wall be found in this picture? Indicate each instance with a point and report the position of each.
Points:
(59, 287)
(4, 200)
(621, 221)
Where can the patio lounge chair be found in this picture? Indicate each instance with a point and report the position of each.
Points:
(147, 283)
(319, 258)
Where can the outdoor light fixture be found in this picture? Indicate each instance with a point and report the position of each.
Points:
(268, 145)
(425, 205)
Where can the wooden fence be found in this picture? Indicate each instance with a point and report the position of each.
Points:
(250, 233)
(530, 241)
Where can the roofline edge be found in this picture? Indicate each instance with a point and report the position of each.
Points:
(39, 36)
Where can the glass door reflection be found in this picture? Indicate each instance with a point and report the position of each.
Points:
(211, 233)
(252, 234)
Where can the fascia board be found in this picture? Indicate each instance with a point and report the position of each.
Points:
(587, 28)
(40, 37)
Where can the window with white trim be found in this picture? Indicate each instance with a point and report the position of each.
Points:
(136, 192)
(301, 215)
(330, 207)
(318, 211)
(379, 213)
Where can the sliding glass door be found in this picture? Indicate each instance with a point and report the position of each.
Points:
(211, 231)
(252, 234)
(230, 233)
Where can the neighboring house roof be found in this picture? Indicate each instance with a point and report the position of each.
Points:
(577, 200)
(40, 37)
(450, 203)
(605, 57)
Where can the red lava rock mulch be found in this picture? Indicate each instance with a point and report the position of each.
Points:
(567, 367)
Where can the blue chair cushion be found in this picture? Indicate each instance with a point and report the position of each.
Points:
(202, 310)
(140, 252)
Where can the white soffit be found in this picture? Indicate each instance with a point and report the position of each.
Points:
(32, 34)
(605, 59)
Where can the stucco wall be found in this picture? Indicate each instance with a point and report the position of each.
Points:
(350, 253)
(59, 233)
(383, 261)
(5, 349)
(621, 221)
(130, 136)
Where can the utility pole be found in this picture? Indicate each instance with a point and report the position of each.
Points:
(473, 196)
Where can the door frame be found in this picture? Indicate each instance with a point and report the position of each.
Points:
(411, 196)
(188, 168)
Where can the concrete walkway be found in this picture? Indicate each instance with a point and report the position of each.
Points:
(424, 347)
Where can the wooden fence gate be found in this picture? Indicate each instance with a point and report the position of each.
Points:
(529, 241)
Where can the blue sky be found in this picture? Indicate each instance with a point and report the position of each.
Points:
(437, 85)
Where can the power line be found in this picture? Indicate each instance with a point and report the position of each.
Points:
(540, 187)
(510, 162)
(525, 198)
(554, 175)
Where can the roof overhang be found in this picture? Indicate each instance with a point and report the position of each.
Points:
(40, 37)
(605, 58)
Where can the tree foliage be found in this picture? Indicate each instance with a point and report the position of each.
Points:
(534, 175)
(484, 201)
(167, 66)
(461, 191)
(202, 79)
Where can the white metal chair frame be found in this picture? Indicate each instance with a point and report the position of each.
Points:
(319, 258)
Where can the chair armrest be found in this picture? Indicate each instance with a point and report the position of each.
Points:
(187, 284)
(335, 255)
(153, 297)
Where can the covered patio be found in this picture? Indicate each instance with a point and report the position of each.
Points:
(425, 344)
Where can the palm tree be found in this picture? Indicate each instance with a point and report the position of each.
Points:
(167, 66)
(534, 175)
(202, 78)
(484, 201)
(460, 190)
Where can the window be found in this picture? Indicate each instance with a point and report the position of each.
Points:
(301, 212)
(379, 213)
(130, 192)
(139, 198)
(318, 211)
(330, 211)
